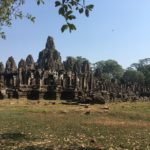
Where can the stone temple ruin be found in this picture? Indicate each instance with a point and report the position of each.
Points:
(49, 78)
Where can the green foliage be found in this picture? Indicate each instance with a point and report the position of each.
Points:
(66, 10)
(143, 66)
(11, 9)
(124, 126)
(80, 59)
(133, 76)
(40, 2)
(108, 69)
(71, 61)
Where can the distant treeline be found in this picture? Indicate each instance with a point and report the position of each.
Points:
(137, 73)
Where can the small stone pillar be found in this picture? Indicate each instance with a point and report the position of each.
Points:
(41, 95)
(22, 94)
(58, 89)
(58, 95)
(76, 93)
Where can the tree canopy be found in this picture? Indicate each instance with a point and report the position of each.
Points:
(75, 63)
(133, 77)
(11, 9)
(109, 69)
(143, 66)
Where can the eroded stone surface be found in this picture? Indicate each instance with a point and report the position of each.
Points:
(50, 78)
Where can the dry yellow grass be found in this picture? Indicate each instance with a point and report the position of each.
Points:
(43, 125)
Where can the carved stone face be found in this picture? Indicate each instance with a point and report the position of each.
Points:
(11, 65)
(1, 67)
(49, 58)
(50, 43)
(29, 60)
(22, 64)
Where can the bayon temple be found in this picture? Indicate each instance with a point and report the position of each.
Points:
(50, 78)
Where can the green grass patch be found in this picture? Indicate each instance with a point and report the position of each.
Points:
(42, 125)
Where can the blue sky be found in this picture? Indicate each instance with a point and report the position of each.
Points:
(116, 29)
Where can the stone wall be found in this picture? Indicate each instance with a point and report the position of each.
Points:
(50, 78)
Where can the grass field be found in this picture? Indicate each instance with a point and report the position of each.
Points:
(45, 125)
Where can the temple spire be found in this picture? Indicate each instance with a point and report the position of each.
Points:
(50, 43)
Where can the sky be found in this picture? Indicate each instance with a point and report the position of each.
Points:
(116, 29)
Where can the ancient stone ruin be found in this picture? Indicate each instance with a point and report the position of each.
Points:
(50, 78)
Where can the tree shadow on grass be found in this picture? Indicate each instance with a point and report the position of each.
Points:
(52, 148)
(12, 136)
(89, 148)
(37, 148)
(17, 136)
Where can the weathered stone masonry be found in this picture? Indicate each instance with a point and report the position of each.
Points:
(49, 78)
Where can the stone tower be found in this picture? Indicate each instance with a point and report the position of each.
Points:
(49, 58)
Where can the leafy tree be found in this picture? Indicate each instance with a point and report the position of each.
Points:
(109, 68)
(10, 9)
(80, 59)
(133, 77)
(79, 63)
(72, 63)
(143, 66)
